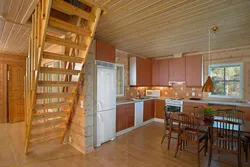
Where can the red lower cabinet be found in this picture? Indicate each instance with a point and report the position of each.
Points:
(159, 109)
(125, 116)
(148, 110)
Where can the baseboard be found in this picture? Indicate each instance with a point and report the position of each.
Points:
(159, 120)
(134, 127)
(78, 148)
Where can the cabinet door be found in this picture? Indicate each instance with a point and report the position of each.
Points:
(139, 71)
(177, 69)
(148, 110)
(193, 70)
(159, 106)
(105, 51)
(121, 118)
(148, 72)
(163, 71)
(155, 73)
(130, 110)
(247, 112)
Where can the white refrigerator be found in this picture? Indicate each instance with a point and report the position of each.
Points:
(106, 104)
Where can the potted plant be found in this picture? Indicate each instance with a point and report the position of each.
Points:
(208, 112)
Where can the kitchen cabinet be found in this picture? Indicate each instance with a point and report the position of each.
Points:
(148, 110)
(160, 72)
(125, 116)
(140, 71)
(177, 69)
(159, 106)
(105, 51)
(247, 112)
(188, 107)
(194, 71)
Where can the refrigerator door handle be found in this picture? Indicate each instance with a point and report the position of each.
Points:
(98, 106)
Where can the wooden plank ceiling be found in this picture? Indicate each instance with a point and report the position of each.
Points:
(150, 28)
(154, 28)
(14, 36)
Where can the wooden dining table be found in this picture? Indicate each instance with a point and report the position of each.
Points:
(244, 128)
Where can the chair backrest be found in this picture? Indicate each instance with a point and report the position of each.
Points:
(198, 111)
(227, 135)
(233, 114)
(167, 115)
(190, 125)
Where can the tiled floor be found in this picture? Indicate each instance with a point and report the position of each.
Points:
(139, 148)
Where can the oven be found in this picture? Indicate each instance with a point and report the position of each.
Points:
(174, 105)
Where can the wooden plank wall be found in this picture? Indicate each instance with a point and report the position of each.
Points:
(81, 130)
(3, 93)
(230, 56)
(16, 65)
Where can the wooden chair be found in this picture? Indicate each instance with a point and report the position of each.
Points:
(169, 128)
(227, 137)
(236, 115)
(190, 126)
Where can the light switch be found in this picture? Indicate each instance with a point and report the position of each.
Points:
(193, 93)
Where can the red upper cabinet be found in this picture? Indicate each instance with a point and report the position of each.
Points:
(155, 73)
(140, 71)
(105, 51)
(160, 72)
(163, 72)
(177, 70)
(194, 71)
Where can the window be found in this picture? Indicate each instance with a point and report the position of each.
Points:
(227, 80)
(119, 80)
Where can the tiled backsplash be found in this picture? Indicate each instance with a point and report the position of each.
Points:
(177, 91)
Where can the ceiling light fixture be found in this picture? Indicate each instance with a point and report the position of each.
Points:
(209, 86)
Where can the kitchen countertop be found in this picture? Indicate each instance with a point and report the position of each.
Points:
(130, 101)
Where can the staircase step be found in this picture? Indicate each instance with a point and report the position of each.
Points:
(55, 56)
(57, 83)
(51, 105)
(46, 138)
(47, 115)
(59, 71)
(68, 27)
(53, 95)
(71, 10)
(38, 125)
(47, 132)
(64, 42)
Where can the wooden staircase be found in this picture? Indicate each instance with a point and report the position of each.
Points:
(47, 111)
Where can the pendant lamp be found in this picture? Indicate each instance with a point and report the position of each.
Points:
(209, 86)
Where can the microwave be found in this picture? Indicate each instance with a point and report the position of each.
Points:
(153, 93)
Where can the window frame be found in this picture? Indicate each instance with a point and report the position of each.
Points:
(241, 79)
(123, 85)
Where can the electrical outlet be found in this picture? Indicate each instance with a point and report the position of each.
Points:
(176, 94)
(166, 93)
(193, 93)
(181, 88)
(187, 94)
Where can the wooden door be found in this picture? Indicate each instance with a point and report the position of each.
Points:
(105, 51)
(3, 93)
(159, 106)
(163, 69)
(155, 73)
(16, 93)
(130, 111)
(177, 69)
(148, 110)
(121, 118)
(193, 70)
